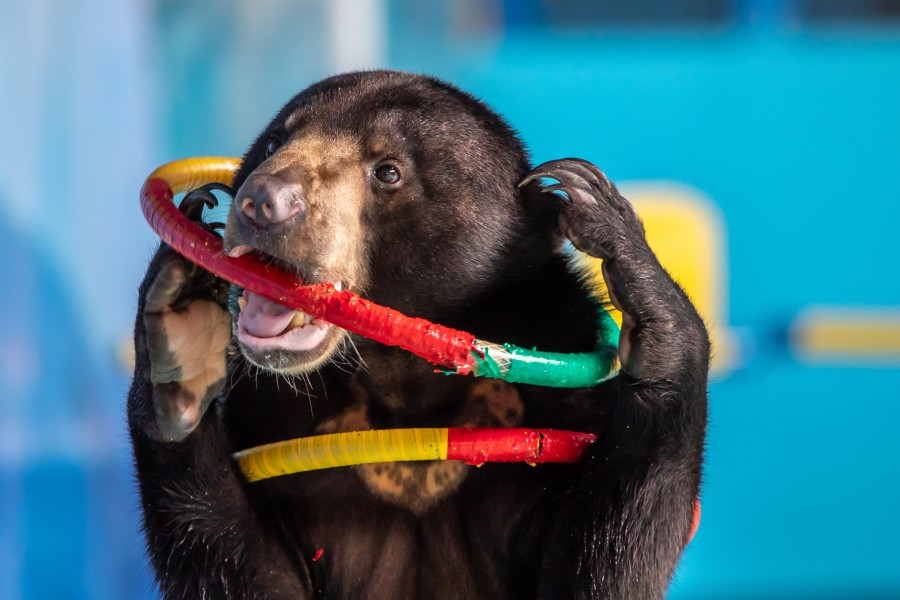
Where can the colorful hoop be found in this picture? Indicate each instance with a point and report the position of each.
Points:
(456, 350)
(474, 446)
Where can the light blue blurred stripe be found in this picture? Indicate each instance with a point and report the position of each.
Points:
(75, 142)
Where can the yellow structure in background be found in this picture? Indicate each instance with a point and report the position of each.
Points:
(687, 234)
(840, 335)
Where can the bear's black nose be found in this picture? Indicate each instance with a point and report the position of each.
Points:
(268, 200)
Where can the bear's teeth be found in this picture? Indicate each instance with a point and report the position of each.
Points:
(299, 319)
(239, 251)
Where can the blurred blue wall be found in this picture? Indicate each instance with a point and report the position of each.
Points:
(786, 117)
(75, 141)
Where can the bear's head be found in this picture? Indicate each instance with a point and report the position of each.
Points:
(395, 186)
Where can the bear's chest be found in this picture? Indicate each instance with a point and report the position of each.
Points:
(398, 527)
(486, 536)
(417, 486)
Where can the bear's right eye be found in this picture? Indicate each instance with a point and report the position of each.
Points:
(388, 174)
(273, 144)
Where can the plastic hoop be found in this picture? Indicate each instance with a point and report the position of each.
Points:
(456, 350)
(473, 445)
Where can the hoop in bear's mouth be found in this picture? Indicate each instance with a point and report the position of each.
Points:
(458, 351)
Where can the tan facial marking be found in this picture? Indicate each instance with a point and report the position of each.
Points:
(331, 170)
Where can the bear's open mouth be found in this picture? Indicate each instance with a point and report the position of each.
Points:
(278, 337)
(265, 324)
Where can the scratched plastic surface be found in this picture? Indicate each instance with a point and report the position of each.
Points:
(534, 446)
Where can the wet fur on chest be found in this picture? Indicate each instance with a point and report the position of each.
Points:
(417, 486)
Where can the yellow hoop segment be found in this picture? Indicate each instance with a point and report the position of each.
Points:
(342, 450)
(190, 173)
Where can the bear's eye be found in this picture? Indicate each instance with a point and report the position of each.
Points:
(388, 174)
(273, 144)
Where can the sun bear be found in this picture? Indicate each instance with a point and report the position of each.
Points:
(417, 196)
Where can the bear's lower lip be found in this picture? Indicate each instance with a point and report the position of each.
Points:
(263, 324)
(298, 339)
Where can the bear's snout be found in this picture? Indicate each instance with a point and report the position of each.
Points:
(268, 202)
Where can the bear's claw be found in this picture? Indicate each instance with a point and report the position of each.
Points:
(597, 218)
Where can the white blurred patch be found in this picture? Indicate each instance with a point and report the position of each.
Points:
(357, 34)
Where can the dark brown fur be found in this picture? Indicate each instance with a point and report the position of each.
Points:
(460, 243)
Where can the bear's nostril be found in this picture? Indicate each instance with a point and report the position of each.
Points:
(267, 211)
(248, 208)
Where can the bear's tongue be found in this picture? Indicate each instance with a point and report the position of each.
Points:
(263, 318)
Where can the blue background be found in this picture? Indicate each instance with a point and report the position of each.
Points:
(786, 114)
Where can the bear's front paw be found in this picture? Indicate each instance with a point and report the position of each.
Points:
(602, 223)
(187, 332)
(597, 219)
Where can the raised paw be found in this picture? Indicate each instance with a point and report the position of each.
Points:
(187, 332)
(658, 321)
(597, 219)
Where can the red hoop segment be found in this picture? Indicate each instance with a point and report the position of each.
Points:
(480, 445)
(435, 343)
(460, 351)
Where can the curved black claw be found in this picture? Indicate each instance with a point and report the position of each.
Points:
(195, 201)
(580, 180)
(595, 211)
(569, 172)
